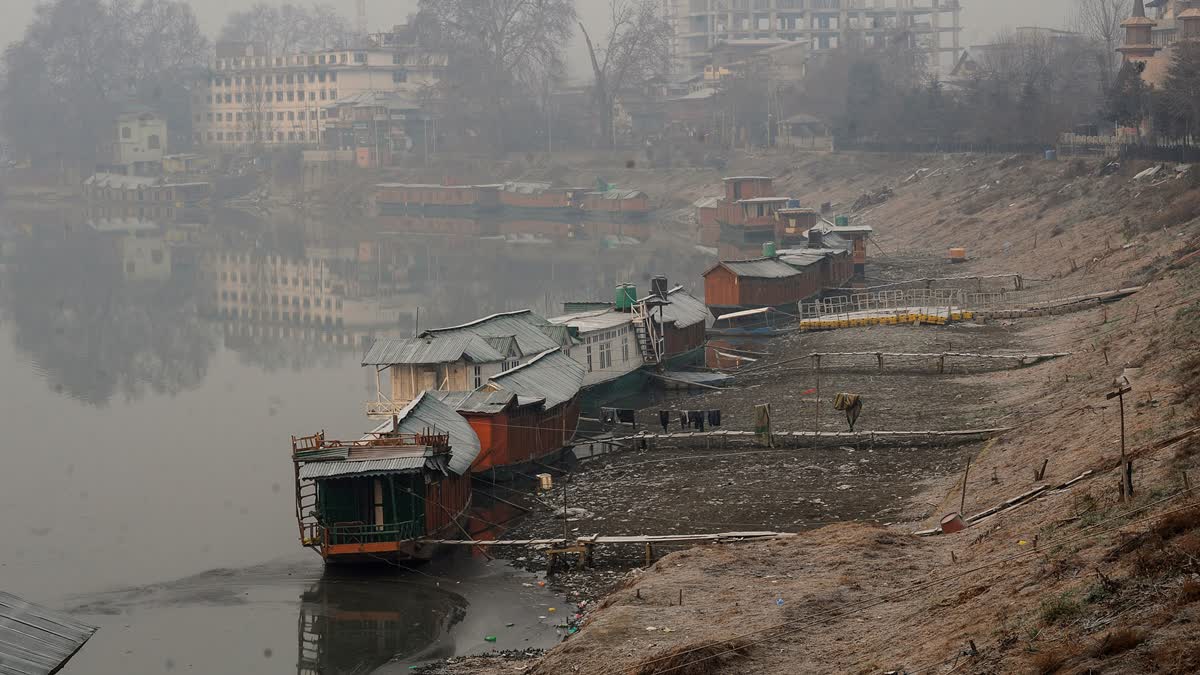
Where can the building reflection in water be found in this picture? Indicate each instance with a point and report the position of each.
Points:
(355, 624)
(110, 302)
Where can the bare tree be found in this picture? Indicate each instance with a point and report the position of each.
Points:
(637, 46)
(504, 51)
(1101, 20)
(288, 27)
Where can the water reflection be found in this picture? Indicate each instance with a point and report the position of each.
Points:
(355, 624)
(115, 303)
(104, 312)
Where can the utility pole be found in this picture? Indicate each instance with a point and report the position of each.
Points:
(1126, 463)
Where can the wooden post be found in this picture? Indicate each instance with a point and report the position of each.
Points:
(1126, 465)
(566, 521)
(1041, 473)
(649, 553)
(879, 355)
(942, 364)
(1187, 485)
(962, 504)
(817, 408)
(681, 597)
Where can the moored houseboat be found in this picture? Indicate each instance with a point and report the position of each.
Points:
(616, 204)
(539, 199)
(375, 499)
(507, 374)
(394, 199)
(626, 339)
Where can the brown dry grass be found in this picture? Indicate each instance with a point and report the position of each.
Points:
(1048, 662)
(1178, 658)
(1118, 641)
(693, 659)
(1189, 592)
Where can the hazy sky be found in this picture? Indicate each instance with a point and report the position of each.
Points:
(981, 18)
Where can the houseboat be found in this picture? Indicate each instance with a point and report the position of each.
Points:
(396, 199)
(779, 280)
(115, 188)
(507, 374)
(616, 204)
(376, 499)
(625, 339)
(538, 199)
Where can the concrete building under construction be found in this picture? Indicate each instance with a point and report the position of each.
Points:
(828, 24)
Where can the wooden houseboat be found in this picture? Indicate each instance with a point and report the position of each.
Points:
(538, 199)
(616, 204)
(734, 285)
(114, 188)
(393, 199)
(623, 339)
(373, 500)
(524, 415)
(507, 374)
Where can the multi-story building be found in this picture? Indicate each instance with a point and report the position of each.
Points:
(250, 97)
(701, 24)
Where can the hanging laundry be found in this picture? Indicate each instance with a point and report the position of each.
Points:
(714, 418)
(700, 420)
(683, 419)
(626, 416)
(851, 404)
(664, 418)
(608, 415)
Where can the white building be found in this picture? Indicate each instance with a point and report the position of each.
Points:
(610, 348)
(138, 144)
(828, 24)
(251, 97)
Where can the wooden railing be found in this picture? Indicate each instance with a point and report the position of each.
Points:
(316, 534)
(302, 444)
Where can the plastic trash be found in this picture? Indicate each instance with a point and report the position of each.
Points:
(509, 625)
(541, 584)
(572, 630)
(489, 638)
(551, 610)
(779, 601)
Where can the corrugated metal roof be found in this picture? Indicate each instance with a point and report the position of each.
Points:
(746, 178)
(426, 414)
(593, 320)
(764, 200)
(552, 375)
(707, 202)
(526, 188)
(35, 640)
(802, 257)
(759, 268)
(506, 345)
(435, 349)
(533, 333)
(484, 402)
(368, 467)
(684, 309)
(619, 193)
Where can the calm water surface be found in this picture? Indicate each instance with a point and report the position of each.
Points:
(150, 382)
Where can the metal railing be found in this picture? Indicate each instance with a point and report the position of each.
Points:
(316, 534)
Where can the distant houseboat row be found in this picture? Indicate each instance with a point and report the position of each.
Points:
(514, 199)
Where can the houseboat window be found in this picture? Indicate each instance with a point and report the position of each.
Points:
(625, 350)
(589, 359)
(512, 363)
(605, 356)
(478, 376)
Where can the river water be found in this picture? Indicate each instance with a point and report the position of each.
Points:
(152, 375)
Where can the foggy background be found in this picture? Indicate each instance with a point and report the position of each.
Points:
(981, 18)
